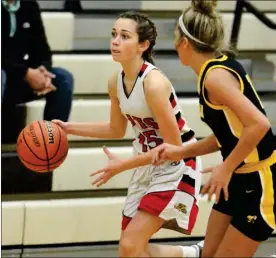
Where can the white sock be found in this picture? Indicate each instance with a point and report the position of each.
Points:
(201, 243)
(189, 251)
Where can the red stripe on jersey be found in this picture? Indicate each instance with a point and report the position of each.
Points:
(144, 67)
(181, 123)
(172, 100)
(191, 163)
(173, 103)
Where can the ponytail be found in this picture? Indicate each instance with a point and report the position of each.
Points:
(147, 55)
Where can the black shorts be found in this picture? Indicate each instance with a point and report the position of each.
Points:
(252, 203)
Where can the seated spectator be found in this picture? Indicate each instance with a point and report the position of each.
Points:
(27, 72)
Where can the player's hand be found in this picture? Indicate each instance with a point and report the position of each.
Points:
(165, 152)
(113, 167)
(218, 182)
(63, 125)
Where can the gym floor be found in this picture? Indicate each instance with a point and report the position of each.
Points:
(104, 250)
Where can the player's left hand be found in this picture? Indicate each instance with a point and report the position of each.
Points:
(113, 167)
(218, 182)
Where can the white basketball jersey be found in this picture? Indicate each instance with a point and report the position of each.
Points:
(136, 110)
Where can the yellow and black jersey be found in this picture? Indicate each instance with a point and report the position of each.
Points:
(223, 122)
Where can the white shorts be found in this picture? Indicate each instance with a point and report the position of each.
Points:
(169, 191)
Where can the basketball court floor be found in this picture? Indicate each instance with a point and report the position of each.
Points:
(266, 249)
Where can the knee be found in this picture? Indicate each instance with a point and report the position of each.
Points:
(206, 253)
(64, 80)
(128, 248)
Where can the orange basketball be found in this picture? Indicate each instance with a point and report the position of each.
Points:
(42, 146)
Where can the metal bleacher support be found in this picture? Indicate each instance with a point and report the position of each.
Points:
(239, 10)
(82, 47)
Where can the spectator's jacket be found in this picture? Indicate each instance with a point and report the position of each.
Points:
(28, 47)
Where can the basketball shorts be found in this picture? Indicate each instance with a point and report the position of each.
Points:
(252, 203)
(169, 191)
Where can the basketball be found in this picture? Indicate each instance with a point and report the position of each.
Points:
(42, 146)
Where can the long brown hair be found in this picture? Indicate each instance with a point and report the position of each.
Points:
(146, 30)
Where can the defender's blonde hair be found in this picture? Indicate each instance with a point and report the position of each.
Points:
(204, 27)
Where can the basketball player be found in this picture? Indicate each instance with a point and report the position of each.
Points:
(157, 197)
(244, 184)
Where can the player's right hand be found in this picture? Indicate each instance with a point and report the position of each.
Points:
(166, 152)
(63, 125)
(113, 167)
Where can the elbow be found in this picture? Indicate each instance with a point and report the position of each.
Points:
(263, 126)
(118, 134)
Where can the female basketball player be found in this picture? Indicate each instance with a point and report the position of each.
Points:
(244, 184)
(141, 94)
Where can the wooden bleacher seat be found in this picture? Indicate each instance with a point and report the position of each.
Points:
(12, 223)
(91, 72)
(55, 23)
(75, 221)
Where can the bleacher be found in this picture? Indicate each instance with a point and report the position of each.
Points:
(80, 42)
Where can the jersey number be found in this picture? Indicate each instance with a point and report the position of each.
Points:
(148, 137)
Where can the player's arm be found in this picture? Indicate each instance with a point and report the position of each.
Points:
(202, 147)
(115, 128)
(224, 89)
(157, 92)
